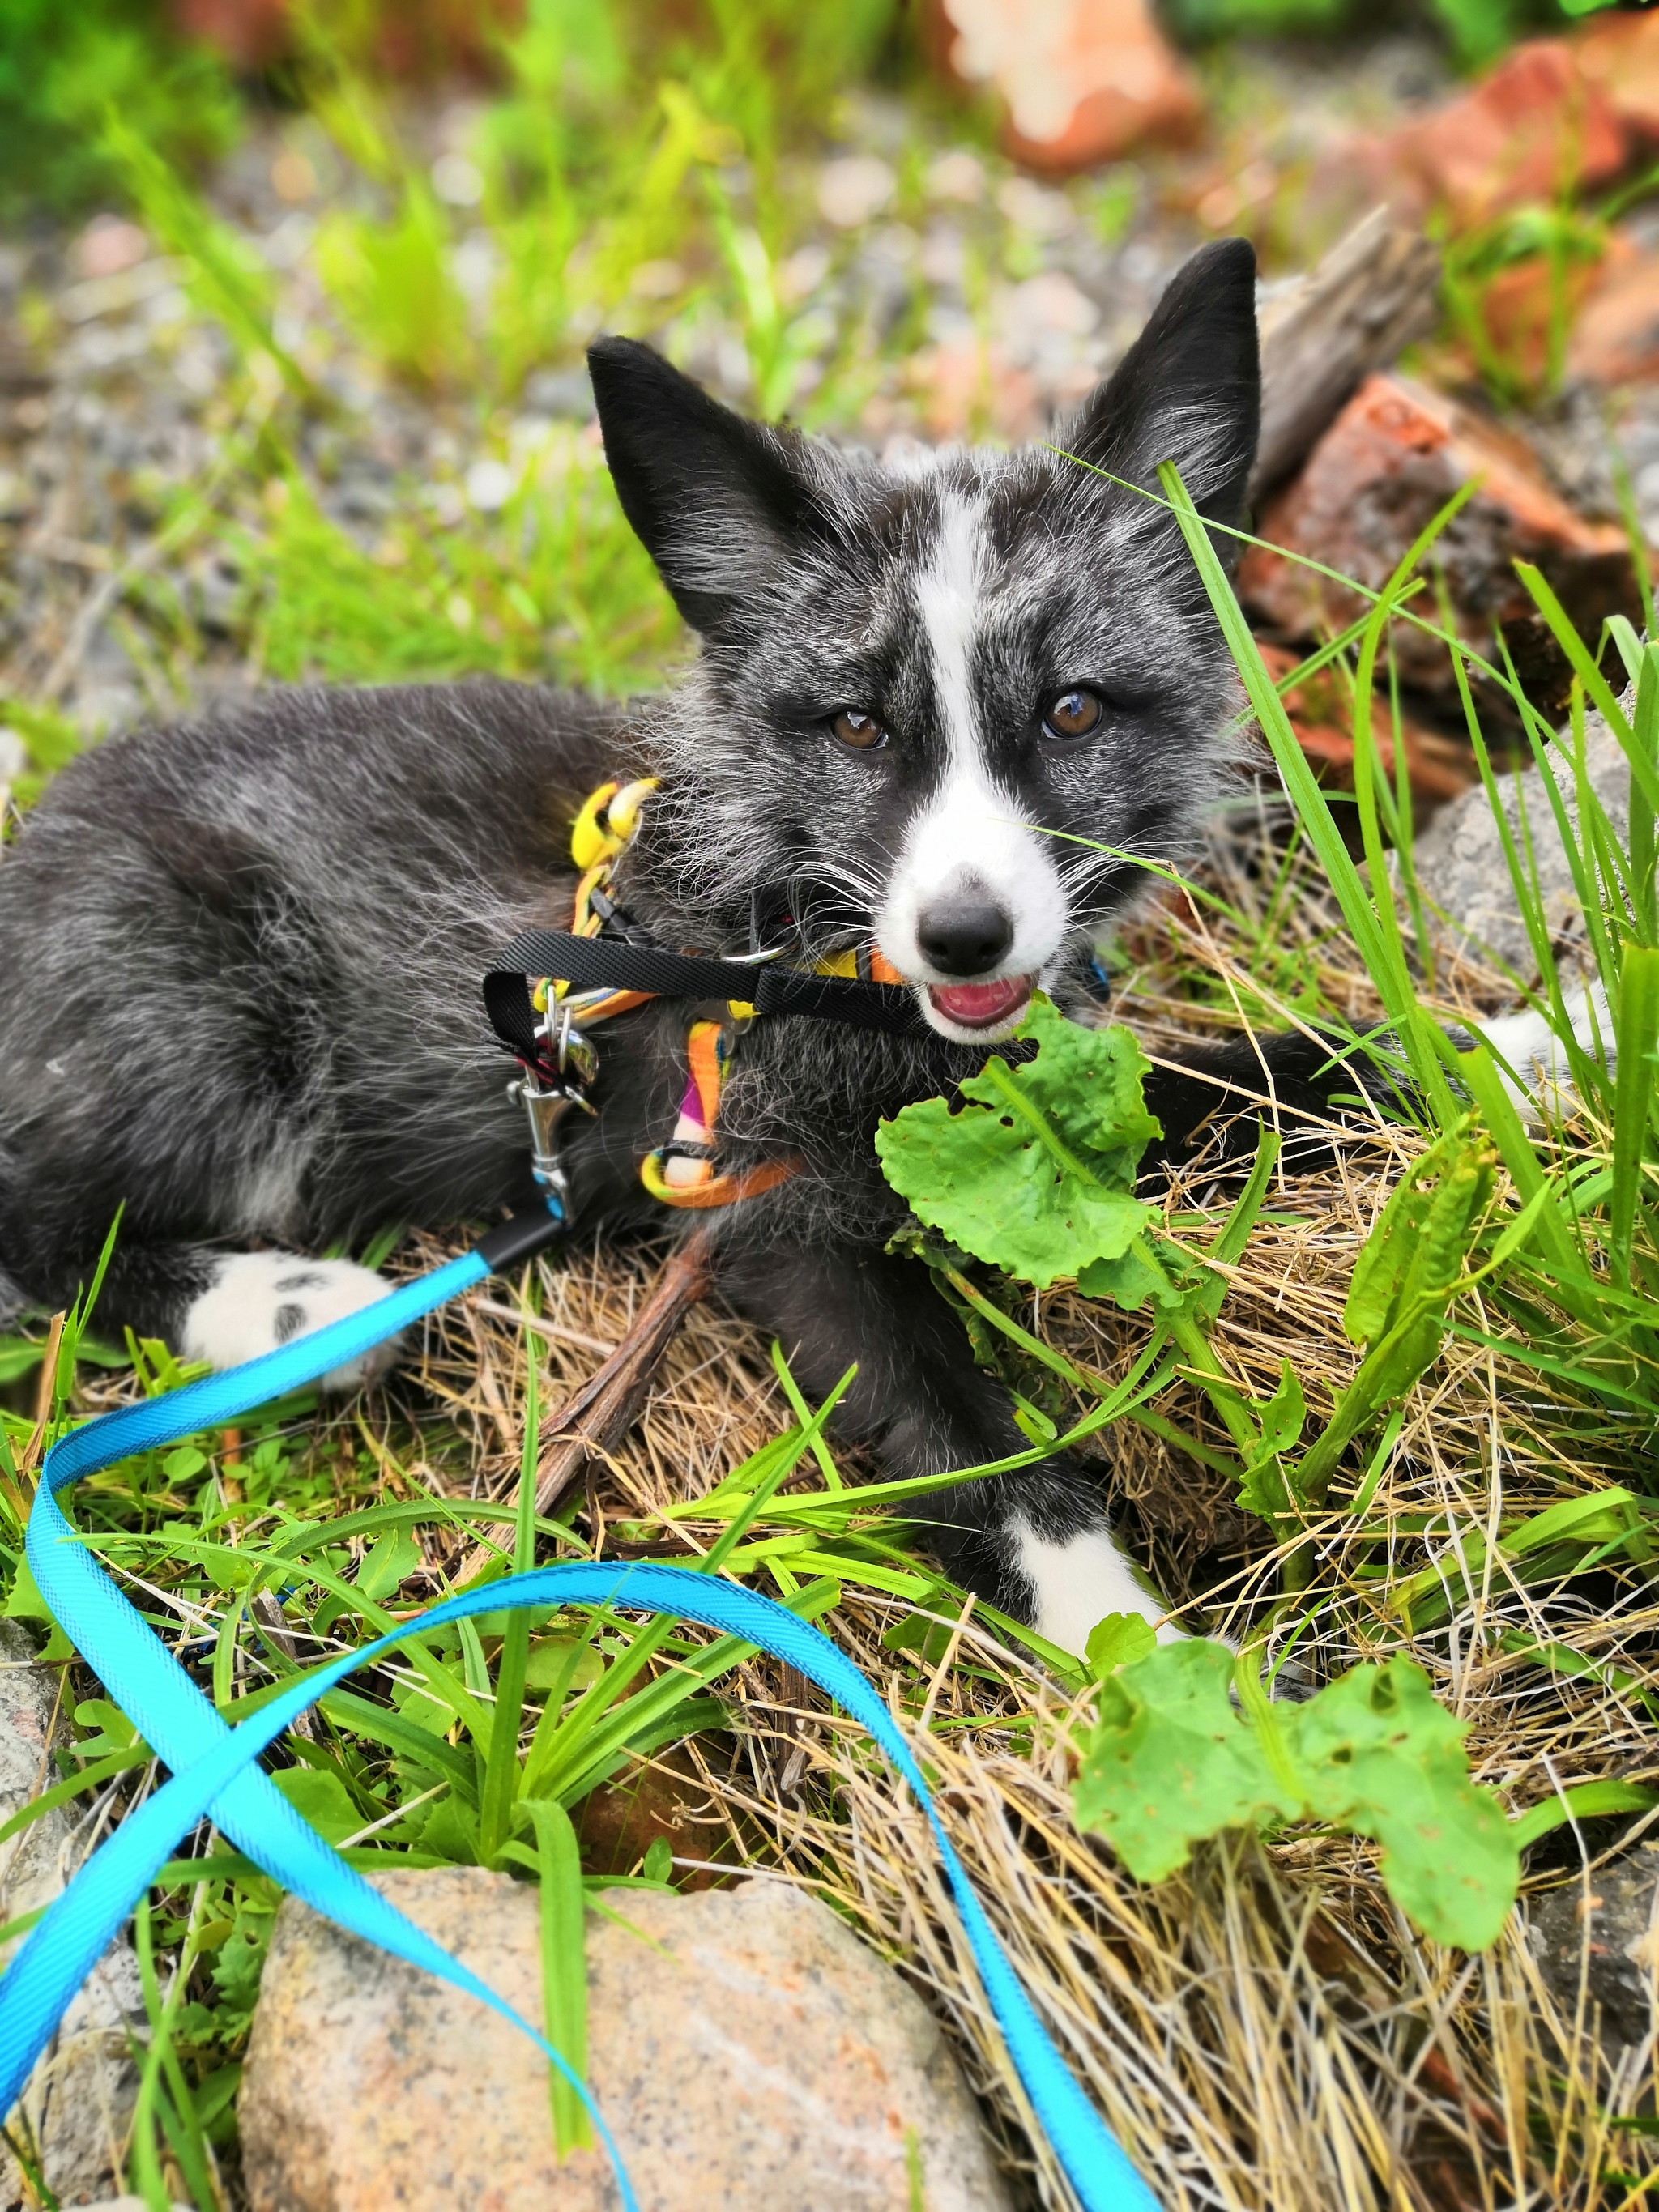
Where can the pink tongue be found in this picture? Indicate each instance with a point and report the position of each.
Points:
(980, 1003)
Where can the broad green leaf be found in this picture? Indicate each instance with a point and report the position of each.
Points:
(1036, 1173)
(323, 1799)
(19, 1356)
(107, 1729)
(560, 1662)
(26, 1602)
(1171, 1762)
(386, 1564)
(1117, 1639)
(450, 1830)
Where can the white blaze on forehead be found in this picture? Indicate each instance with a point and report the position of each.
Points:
(971, 832)
(947, 596)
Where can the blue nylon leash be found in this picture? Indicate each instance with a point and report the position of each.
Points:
(213, 1773)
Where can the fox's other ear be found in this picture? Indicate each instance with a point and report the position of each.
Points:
(1187, 391)
(719, 503)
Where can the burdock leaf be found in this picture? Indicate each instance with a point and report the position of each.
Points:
(1377, 1754)
(1036, 1173)
(1171, 1761)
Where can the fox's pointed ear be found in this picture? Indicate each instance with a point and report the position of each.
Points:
(1187, 391)
(719, 503)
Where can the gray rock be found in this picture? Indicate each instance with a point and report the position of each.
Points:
(1608, 1935)
(1460, 855)
(77, 2107)
(746, 2050)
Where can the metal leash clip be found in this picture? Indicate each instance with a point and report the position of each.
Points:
(571, 1052)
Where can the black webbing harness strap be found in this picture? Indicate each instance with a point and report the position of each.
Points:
(607, 963)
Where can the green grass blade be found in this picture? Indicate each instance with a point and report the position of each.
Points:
(564, 1967)
(1589, 1801)
(1378, 941)
(501, 1773)
(1644, 900)
(1637, 1031)
(1642, 769)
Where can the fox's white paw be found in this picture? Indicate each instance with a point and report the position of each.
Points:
(1078, 1582)
(260, 1300)
(1542, 1076)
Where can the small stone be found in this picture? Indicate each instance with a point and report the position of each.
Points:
(965, 387)
(958, 175)
(1049, 303)
(1461, 867)
(293, 178)
(562, 392)
(488, 485)
(457, 181)
(108, 246)
(1605, 1934)
(854, 188)
(79, 2100)
(746, 2050)
(800, 275)
(1036, 208)
(656, 280)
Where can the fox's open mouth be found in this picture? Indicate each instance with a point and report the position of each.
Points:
(988, 1005)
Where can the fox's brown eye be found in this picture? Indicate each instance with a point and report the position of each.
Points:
(1074, 713)
(861, 731)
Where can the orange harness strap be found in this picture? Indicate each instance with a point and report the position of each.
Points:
(681, 1173)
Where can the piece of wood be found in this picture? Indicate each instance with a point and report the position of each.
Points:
(1354, 311)
(595, 1418)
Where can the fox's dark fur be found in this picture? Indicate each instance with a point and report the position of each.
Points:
(241, 958)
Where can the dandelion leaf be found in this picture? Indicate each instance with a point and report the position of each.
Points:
(1036, 1173)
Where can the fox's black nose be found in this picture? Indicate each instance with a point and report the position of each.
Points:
(967, 934)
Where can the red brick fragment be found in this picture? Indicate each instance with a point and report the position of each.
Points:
(1615, 340)
(1388, 464)
(1082, 81)
(1539, 125)
(1620, 55)
(1322, 716)
(1527, 308)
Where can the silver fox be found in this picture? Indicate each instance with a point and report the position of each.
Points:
(242, 957)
